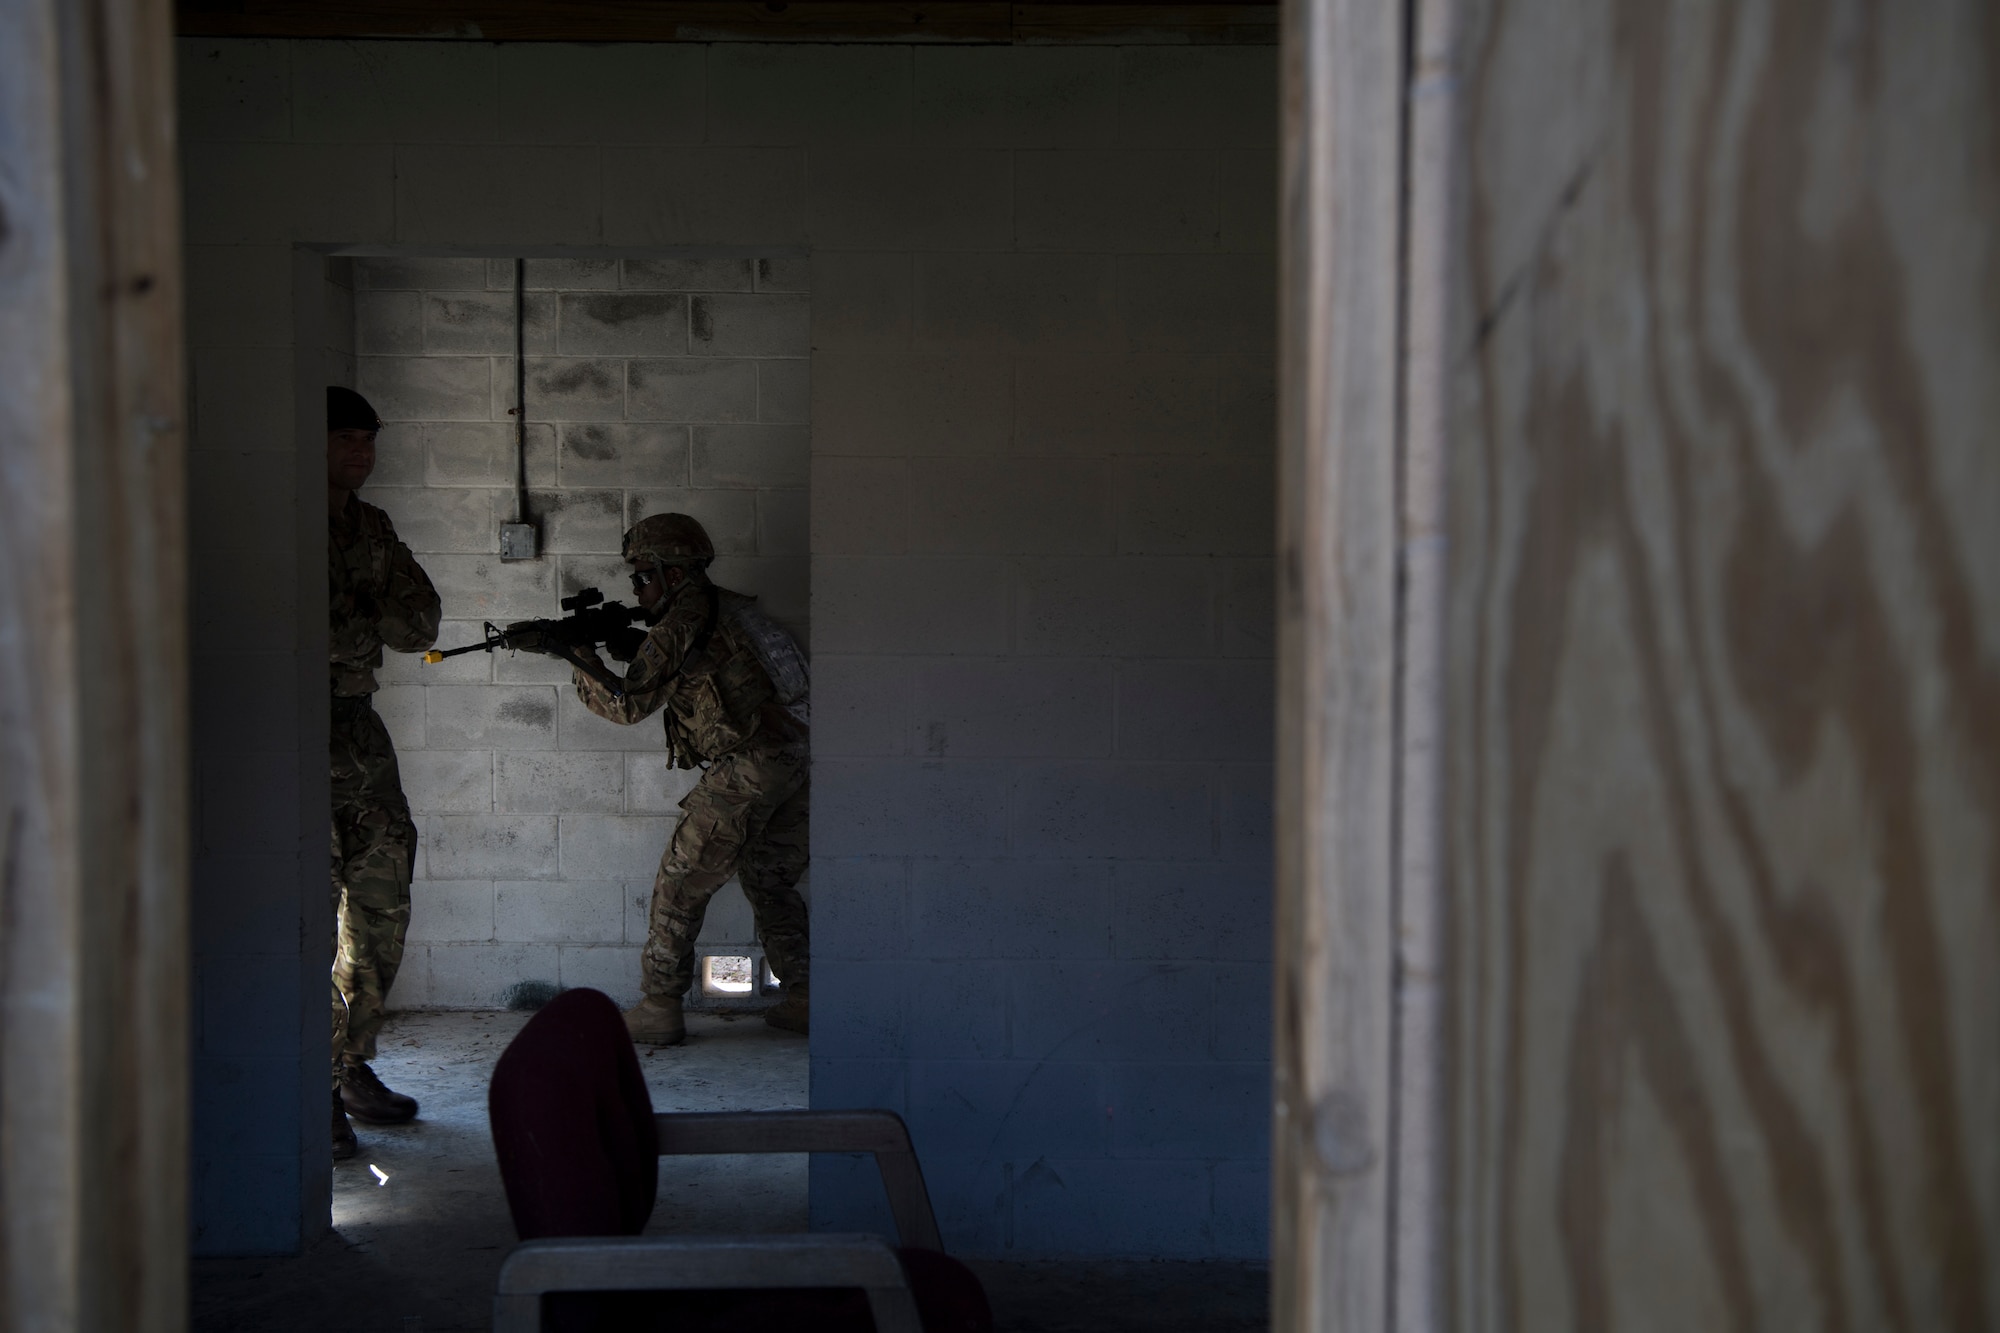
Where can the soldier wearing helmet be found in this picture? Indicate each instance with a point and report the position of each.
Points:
(378, 596)
(731, 686)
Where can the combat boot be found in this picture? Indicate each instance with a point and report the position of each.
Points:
(656, 1021)
(345, 1145)
(368, 1100)
(792, 1014)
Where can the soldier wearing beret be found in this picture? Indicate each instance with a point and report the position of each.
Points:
(378, 596)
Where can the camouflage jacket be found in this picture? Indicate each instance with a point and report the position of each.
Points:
(377, 594)
(701, 667)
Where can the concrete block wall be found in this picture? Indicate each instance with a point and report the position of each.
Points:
(337, 311)
(660, 383)
(1042, 328)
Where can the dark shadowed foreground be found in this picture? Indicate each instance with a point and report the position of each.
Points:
(417, 1252)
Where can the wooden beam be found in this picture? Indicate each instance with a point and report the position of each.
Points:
(1216, 23)
(93, 691)
(1431, 327)
(1341, 252)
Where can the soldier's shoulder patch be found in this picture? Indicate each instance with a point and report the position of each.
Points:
(375, 523)
(652, 656)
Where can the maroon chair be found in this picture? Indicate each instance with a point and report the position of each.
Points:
(579, 1147)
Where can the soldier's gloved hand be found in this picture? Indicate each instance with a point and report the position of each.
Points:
(624, 644)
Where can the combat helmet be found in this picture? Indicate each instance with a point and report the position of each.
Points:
(669, 539)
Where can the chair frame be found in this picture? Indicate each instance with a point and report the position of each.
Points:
(879, 1133)
(682, 1263)
(701, 1263)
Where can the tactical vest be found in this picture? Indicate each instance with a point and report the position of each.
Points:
(361, 561)
(776, 651)
(740, 667)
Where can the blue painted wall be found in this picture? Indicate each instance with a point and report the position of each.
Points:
(1043, 316)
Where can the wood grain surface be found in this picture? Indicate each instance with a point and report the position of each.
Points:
(1333, 1128)
(1723, 712)
(93, 674)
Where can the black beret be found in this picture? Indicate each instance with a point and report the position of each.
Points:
(348, 410)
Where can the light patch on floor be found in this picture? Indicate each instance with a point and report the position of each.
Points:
(419, 1253)
(442, 1166)
(427, 1244)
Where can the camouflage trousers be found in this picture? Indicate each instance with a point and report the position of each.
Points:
(374, 843)
(747, 816)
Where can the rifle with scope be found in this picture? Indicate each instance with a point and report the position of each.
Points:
(574, 638)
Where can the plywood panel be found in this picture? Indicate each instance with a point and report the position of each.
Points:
(1723, 715)
(1340, 215)
(93, 742)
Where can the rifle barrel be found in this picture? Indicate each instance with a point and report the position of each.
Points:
(496, 638)
(579, 655)
(493, 638)
(435, 655)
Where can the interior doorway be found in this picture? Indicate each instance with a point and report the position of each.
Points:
(654, 383)
(649, 383)
(1042, 398)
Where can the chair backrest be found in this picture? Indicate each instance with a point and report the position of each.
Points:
(701, 1263)
(880, 1133)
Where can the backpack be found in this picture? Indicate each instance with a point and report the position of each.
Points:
(775, 650)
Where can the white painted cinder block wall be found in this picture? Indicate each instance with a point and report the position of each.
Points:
(653, 384)
(1041, 431)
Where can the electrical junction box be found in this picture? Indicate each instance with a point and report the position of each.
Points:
(517, 541)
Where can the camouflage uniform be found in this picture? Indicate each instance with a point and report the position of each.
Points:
(748, 813)
(378, 595)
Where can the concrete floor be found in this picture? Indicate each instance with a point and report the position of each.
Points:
(417, 1252)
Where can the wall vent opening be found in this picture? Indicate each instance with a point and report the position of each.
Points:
(727, 974)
